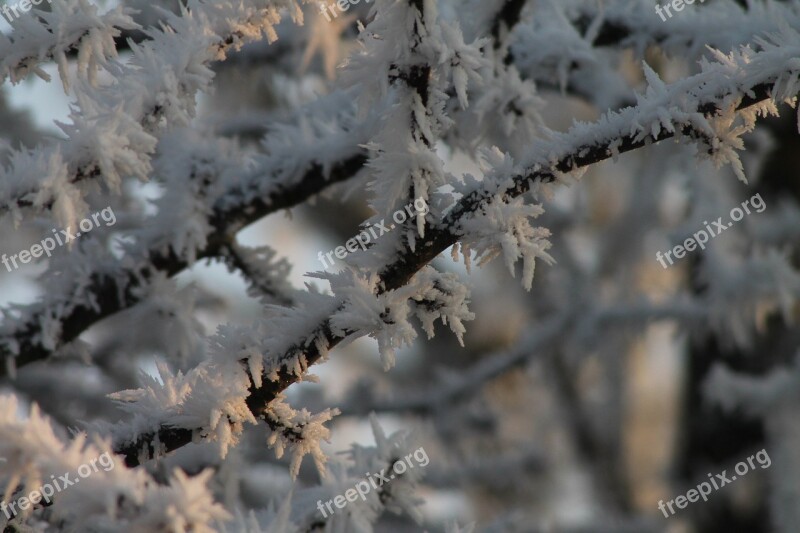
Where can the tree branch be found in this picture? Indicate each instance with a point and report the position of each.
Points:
(443, 394)
(150, 116)
(117, 290)
(583, 146)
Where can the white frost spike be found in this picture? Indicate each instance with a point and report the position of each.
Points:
(169, 389)
(465, 60)
(300, 432)
(387, 450)
(505, 228)
(277, 521)
(34, 454)
(441, 296)
(68, 204)
(46, 35)
(377, 431)
(383, 317)
(210, 397)
(728, 130)
(453, 527)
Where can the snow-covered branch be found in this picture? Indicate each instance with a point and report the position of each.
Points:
(104, 285)
(116, 126)
(72, 25)
(35, 459)
(707, 103)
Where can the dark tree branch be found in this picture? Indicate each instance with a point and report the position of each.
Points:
(114, 293)
(506, 18)
(84, 170)
(267, 286)
(438, 237)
